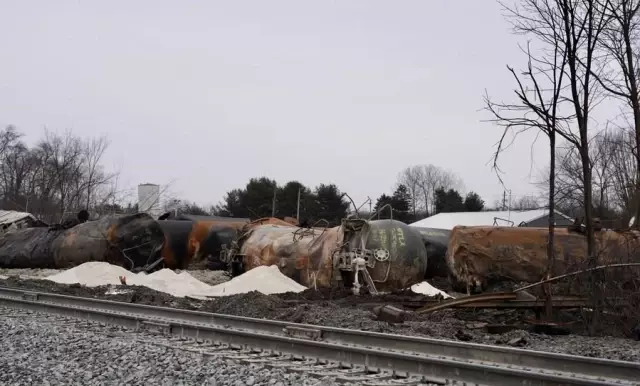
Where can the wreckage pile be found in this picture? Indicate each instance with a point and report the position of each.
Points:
(384, 255)
(274, 256)
(126, 240)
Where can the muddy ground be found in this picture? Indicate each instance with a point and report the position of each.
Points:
(339, 308)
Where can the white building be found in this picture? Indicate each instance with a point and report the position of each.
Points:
(515, 218)
(149, 199)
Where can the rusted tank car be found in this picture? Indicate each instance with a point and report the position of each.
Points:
(395, 254)
(477, 256)
(195, 241)
(130, 241)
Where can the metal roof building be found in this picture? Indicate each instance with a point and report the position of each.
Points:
(528, 218)
(10, 216)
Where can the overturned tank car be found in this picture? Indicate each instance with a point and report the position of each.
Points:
(196, 242)
(383, 255)
(479, 256)
(435, 241)
(131, 241)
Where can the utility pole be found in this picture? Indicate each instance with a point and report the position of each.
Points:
(273, 204)
(298, 211)
(504, 200)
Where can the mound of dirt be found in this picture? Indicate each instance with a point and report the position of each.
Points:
(253, 304)
(321, 294)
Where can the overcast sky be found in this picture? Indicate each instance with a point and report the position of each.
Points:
(210, 93)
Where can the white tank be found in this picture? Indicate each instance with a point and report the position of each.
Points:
(149, 199)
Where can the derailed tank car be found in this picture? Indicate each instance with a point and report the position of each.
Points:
(130, 241)
(395, 255)
(196, 241)
(478, 256)
(435, 241)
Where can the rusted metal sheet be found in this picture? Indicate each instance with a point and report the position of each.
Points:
(489, 297)
(319, 257)
(128, 240)
(477, 256)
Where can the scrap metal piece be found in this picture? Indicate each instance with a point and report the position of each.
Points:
(468, 300)
(360, 267)
(389, 314)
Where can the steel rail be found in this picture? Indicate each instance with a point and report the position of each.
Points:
(441, 359)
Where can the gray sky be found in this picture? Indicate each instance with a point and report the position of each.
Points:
(211, 93)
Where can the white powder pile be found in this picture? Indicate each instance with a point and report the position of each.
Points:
(268, 280)
(265, 279)
(93, 274)
(427, 289)
(179, 285)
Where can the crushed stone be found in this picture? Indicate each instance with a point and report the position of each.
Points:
(65, 351)
(338, 308)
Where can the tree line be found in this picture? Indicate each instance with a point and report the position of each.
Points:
(58, 176)
(431, 190)
(62, 173)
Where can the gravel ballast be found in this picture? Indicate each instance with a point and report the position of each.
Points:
(338, 309)
(41, 349)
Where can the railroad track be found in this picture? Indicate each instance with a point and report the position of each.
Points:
(350, 355)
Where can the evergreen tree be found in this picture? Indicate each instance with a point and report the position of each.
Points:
(473, 202)
(448, 201)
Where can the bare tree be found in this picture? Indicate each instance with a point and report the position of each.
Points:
(429, 179)
(9, 136)
(65, 166)
(569, 177)
(63, 173)
(613, 164)
(526, 203)
(583, 22)
(567, 32)
(620, 67)
(624, 171)
(95, 176)
(411, 178)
